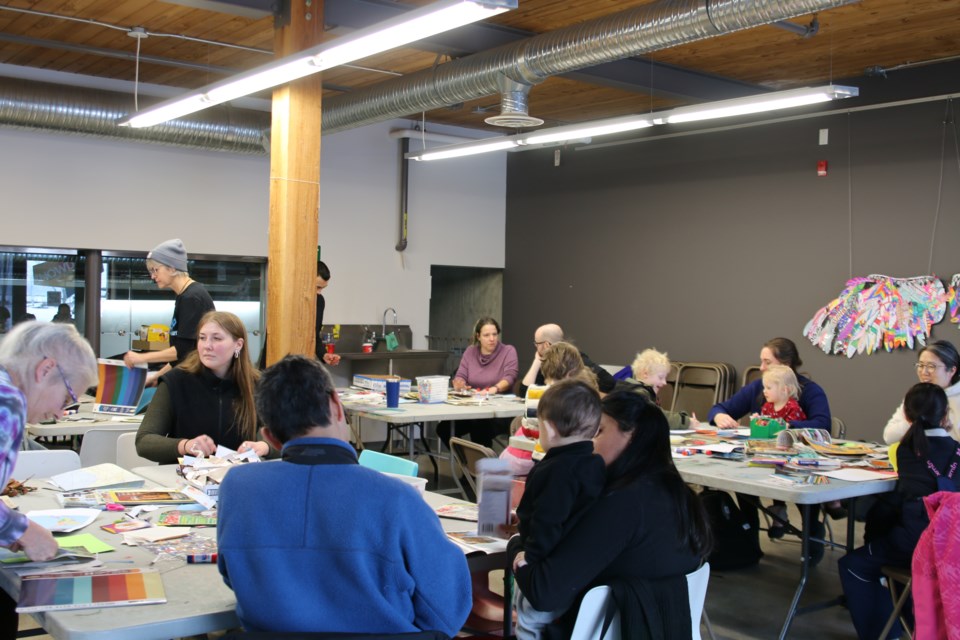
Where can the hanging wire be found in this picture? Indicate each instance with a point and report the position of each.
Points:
(850, 190)
(158, 34)
(947, 118)
(136, 78)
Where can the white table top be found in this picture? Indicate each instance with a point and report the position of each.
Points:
(79, 423)
(733, 475)
(496, 407)
(197, 599)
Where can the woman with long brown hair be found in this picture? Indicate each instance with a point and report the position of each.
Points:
(207, 400)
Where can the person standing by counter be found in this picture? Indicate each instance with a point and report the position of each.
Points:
(167, 264)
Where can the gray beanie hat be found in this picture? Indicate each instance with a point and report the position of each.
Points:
(170, 253)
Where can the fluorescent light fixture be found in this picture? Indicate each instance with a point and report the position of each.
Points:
(466, 149)
(758, 104)
(409, 27)
(587, 130)
(722, 109)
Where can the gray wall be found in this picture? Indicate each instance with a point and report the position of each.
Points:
(706, 246)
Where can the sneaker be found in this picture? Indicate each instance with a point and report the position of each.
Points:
(816, 549)
(776, 529)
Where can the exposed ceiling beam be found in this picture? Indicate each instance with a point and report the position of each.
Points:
(632, 74)
(247, 8)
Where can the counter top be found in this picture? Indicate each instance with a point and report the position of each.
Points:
(394, 355)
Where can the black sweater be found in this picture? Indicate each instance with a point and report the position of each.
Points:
(630, 532)
(188, 405)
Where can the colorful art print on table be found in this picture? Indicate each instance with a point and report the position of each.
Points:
(147, 496)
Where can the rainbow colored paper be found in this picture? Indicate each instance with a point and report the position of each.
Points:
(120, 387)
(87, 589)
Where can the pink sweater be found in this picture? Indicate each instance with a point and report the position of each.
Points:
(936, 570)
(480, 371)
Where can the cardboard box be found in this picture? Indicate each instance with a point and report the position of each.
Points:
(379, 383)
(764, 428)
(143, 345)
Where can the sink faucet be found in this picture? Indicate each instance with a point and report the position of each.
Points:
(384, 326)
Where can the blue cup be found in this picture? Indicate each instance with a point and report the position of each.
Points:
(393, 393)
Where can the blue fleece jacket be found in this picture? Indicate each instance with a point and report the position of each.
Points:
(749, 399)
(331, 546)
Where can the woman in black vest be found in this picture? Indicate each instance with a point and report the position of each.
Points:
(207, 400)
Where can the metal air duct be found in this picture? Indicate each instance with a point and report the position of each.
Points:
(51, 107)
(633, 32)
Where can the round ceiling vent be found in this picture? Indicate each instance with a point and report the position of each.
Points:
(513, 120)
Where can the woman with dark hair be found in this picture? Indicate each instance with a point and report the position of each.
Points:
(207, 400)
(647, 525)
(937, 363)
(749, 400)
(487, 366)
(927, 462)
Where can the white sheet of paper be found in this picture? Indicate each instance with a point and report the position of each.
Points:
(853, 475)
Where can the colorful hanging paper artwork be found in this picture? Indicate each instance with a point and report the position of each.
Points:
(953, 300)
(880, 312)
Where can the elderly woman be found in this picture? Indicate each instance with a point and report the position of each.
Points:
(647, 525)
(40, 366)
(937, 363)
(206, 401)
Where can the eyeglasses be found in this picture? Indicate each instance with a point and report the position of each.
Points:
(66, 383)
(926, 367)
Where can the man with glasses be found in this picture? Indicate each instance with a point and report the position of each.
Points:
(550, 334)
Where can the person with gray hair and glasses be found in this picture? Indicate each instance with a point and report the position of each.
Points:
(938, 363)
(42, 366)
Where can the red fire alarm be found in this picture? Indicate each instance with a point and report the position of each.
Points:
(821, 168)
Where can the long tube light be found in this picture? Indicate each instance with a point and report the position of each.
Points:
(720, 109)
(758, 104)
(409, 27)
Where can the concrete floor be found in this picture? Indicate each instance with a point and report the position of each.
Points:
(749, 603)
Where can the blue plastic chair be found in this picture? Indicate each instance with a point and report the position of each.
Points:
(389, 464)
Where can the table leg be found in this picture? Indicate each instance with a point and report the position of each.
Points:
(804, 570)
(508, 601)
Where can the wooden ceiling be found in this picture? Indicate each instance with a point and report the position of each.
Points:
(90, 37)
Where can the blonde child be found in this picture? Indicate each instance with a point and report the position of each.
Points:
(650, 371)
(781, 390)
(560, 361)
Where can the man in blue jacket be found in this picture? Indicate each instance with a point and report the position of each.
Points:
(317, 543)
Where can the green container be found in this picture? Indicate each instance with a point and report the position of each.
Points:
(765, 428)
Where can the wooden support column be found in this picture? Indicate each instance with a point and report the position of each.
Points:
(294, 193)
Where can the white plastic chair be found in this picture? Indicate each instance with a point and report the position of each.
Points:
(593, 610)
(100, 446)
(44, 463)
(127, 456)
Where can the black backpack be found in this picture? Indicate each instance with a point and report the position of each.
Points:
(735, 543)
